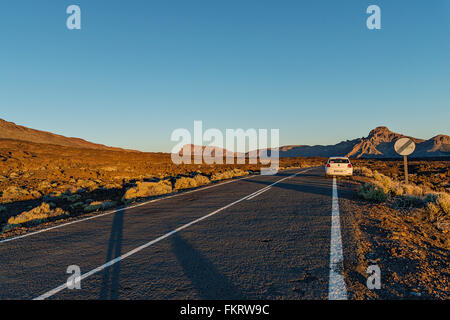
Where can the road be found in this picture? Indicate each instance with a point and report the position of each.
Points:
(262, 237)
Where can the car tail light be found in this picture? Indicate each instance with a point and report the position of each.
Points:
(349, 165)
(328, 165)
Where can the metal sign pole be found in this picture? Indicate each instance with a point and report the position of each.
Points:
(405, 147)
(405, 164)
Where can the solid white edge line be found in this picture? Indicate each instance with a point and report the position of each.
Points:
(148, 244)
(122, 209)
(336, 286)
(119, 210)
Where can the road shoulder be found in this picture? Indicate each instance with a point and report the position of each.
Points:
(413, 256)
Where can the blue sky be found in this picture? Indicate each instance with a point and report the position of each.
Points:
(140, 69)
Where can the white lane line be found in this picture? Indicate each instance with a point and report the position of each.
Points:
(148, 244)
(258, 193)
(117, 210)
(336, 289)
(122, 209)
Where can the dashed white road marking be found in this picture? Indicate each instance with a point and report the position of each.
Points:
(336, 288)
(148, 244)
(258, 193)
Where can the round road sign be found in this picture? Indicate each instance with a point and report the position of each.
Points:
(404, 146)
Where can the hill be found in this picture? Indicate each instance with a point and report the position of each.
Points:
(12, 131)
(378, 144)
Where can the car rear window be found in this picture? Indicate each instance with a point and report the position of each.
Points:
(338, 161)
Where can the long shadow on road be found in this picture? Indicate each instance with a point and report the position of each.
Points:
(320, 186)
(204, 276)
(111, 275)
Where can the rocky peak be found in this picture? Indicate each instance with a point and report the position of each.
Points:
(381, 134)
(379, 131)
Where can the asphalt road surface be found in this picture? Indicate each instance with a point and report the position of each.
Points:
(225, 241)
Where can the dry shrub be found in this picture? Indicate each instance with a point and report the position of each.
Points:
(370, 191)
(185, 183)
(443, 201)
(364, 171)
(222, 176)
(408, 201)
(99, 205)
(413, 190)
(438, 209)
(87, 184)
(42, 212)
(395, 188)
(202, 180)
(229, 174)
(147, 189)
(77, 205)
(404, 196)
(433, 212)
(388, 185)
(70, 197)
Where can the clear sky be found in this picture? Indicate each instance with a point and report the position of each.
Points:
(139, 69)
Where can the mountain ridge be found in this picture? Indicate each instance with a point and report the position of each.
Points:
(10, 130)
(378, 144)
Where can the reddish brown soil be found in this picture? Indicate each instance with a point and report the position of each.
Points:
(412, 253)
(30, 172)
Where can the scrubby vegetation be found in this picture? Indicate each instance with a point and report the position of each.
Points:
(41, 213)
(370, 191)
(201, 180)
(229, 174)
(99, 205)
(391, 187)
(406, 196)
(185, 183)
(432, 174)
(188, 182)
(147, 189)
(405, 229)
(81, 181)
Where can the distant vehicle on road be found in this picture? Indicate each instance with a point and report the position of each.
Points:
(338, 166)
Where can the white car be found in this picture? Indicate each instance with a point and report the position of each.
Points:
(338, 166)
